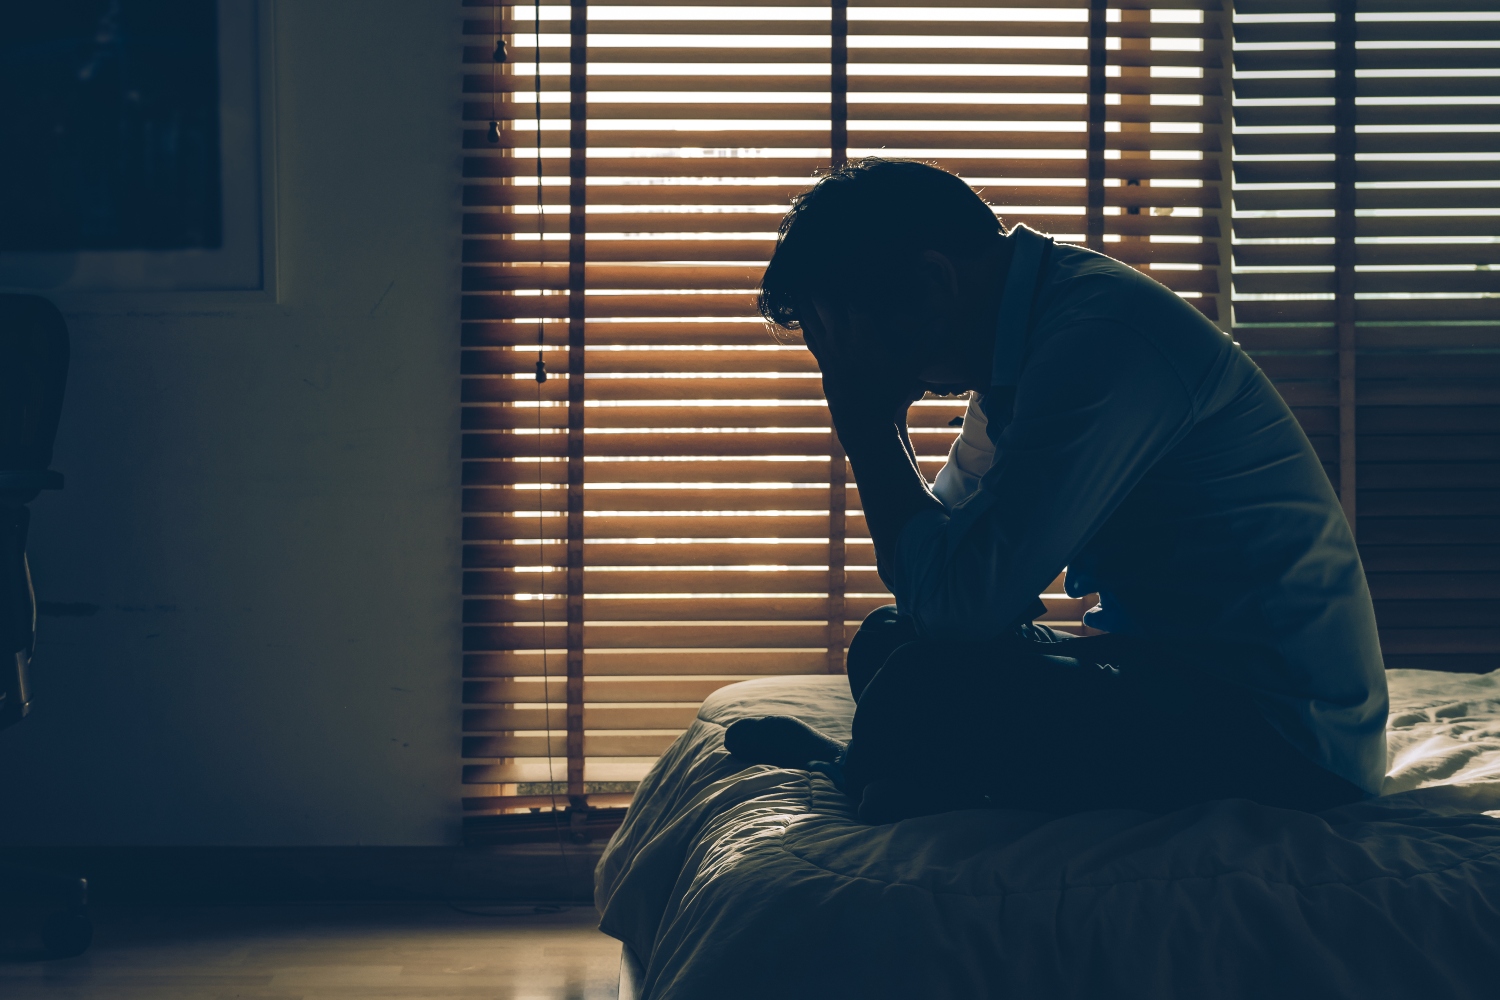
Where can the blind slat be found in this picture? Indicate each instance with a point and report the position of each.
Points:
(1001, 195)
(663, 168)
(729, 424)
(1018, 26)
(865, 82)
(1367, 269)
(771, 50)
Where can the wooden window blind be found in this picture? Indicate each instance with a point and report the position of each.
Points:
(1366, 230)
(669, 511)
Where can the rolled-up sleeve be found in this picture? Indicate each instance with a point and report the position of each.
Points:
(969, 458)
(1096, 406)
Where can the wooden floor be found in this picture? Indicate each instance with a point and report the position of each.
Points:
(369, 951)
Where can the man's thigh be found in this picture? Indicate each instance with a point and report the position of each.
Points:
(1082, 723)
(885, 630)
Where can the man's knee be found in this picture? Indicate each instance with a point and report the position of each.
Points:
(882, 632)
(906, 717)
(912, 659)
(914, 682)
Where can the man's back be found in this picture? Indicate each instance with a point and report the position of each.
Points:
(1235, 535)
(1215, 523)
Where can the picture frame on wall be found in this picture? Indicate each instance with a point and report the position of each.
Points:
(140, 159)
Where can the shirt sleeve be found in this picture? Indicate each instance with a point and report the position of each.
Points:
(969, 458)
(1096, 406)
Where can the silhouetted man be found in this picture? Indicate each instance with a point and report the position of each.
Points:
(1114, 431)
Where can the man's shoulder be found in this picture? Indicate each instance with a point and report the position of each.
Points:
(1085, 291)
(1083, 287)
(1089, 284)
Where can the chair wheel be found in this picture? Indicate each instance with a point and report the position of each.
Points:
(66, 933)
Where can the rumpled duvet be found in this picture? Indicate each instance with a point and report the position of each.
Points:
(731, 881)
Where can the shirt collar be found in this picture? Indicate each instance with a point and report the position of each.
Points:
(1029, 248)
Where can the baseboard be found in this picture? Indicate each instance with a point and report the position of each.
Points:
(533, 872)
(586, 827)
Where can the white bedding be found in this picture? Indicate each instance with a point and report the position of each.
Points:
(758, 882)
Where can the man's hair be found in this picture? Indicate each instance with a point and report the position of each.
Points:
(860, 229)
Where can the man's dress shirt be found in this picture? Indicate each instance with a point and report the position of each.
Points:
(1128, 439)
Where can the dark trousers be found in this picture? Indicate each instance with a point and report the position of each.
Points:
(1044, 720)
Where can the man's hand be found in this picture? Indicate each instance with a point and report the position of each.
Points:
(860, 389)
(858, 397)
(868, 398)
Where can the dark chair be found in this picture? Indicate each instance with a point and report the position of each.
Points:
(33, 371)
(36, 907)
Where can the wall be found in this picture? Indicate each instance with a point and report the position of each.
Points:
(262, 498)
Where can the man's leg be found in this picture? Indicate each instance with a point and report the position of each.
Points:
(884, 631)
(949, 726)
(1085, 723)
(881, 634)
(784, 741)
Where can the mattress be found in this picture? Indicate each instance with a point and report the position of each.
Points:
(731, 881)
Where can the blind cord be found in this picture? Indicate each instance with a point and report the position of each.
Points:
(502, 55)
(541, 229)
(496, 58)
(541, 376)
(541, 552)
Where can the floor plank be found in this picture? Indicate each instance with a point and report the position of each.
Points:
(330, 952)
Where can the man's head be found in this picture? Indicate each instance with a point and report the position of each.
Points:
(885, 262)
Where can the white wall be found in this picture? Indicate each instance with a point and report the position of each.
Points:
(263, 499)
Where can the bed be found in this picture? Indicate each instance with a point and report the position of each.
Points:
(728, 881)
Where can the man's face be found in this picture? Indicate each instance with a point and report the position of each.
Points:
(846, 339)
(932, 346)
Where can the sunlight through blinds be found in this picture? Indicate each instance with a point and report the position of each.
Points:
(714, 532)
(1366, 230)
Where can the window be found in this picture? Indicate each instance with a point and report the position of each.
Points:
(1366, 230)
(669, 512)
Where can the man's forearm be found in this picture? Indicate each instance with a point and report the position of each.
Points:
(891, 487)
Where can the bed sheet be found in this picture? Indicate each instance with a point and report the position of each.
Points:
(758, 882)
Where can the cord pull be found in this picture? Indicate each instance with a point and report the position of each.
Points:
(541, 370)
(501, 55)
(494, 132)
